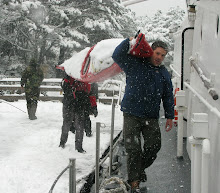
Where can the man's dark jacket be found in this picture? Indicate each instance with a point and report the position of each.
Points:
(146, 85)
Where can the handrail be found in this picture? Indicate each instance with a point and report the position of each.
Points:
(58, 177)
(205, 80)
(177, 73)
(115, 144)
(14, 87)
(210, 107)
(46, 80)
(204, 101)
(182, 54)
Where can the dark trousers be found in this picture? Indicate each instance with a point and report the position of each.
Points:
(141, 153)
(87, 124)
(70, 114)
(32, 97)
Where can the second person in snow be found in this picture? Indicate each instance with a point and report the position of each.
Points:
(78, 100)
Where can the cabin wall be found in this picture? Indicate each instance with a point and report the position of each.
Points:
(203, 45)
(206, 51)
(206, 47)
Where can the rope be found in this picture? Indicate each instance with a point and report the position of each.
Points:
(118, 185)
(58, 177)
(12, 105)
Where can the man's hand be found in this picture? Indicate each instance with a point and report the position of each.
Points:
(169, 125)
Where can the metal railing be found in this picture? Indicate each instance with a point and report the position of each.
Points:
(201, 143)
(204, 136)
(71, 166)
(10, 90)
(208, 83)
(72, 176)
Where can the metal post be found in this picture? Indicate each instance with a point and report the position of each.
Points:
(119, 95)
(200, 132)
(196, 164)
(180, 107)
(72, 176)
(180, 133)
(97, 157)
(205, 166)
(192, 161)
(197, 168)
(112, 135)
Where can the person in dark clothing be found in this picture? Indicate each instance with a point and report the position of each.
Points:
(88, 112)
(76, 101)
(147, 83)
(32, 78)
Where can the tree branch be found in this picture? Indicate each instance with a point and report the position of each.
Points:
(19, 47)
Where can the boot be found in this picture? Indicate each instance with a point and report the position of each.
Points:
(143, 177)
(31, 113)
(62, 145)
(80, 150)
(135, 187)
(34, 109)
(88, 134)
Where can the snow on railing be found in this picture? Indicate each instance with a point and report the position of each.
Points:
(114, 85)
(10, 89)
(130, 2)
(204, 101)
(208, 83)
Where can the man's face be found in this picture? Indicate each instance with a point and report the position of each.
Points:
(158, 56)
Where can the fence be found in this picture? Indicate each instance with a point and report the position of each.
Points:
(11, 90)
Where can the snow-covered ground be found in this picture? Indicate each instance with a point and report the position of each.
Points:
(30, 159)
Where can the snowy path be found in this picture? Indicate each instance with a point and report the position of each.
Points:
(167, 174)
(30, 159)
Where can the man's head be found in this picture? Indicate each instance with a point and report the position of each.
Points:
(160, 50)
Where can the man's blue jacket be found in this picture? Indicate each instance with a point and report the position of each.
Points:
(146, 85)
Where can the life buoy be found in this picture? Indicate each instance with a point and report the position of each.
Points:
(175, 111)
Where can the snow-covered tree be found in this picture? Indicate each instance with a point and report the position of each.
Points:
(52, 30)
(161, 26)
